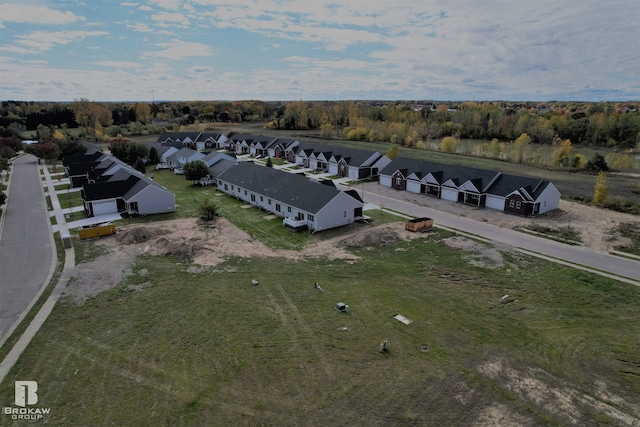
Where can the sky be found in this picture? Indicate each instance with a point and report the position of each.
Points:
(153, 50)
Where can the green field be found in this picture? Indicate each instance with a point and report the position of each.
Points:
(171, 346)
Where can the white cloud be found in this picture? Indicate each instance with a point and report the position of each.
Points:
(32, 14)
(118, 64)
(145, 8)
(179, 49)
(128, 4)
(167, 18)
(168, 4)
(44, 40)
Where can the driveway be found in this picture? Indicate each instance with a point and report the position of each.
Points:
(27, 253)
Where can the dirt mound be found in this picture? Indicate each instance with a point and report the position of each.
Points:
(183, 247)
(379, 237)
(139, 234)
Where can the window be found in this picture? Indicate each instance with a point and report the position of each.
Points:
(310, 217)
(512, 203)
(398, 181)
(245, 192)
(344, 214)
(253, 197)
(277, 207)
(226, 187)
(518, 205)
(289, 209)
(261, 199)
(269, 202)
(232, 188)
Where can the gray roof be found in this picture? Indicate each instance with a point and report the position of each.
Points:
(507, 184)
(220, 166)
(291, 189)
(481, 178)
(178, 136)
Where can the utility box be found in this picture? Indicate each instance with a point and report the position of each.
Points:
(66, 241)
(342, 307)
(96, 230)
(418, 224)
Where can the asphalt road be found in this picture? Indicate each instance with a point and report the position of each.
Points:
(576, 255)
(26, 250)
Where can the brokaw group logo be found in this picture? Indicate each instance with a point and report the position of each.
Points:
(26, 394)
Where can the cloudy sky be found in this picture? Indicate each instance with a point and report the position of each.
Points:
(107, 50)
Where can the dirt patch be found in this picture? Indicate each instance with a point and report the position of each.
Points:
(383, 236)
(555, 396)
(139, 234)
(208, 246)
(478, 254)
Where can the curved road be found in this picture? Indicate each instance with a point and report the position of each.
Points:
(26, 247)
(614, 266)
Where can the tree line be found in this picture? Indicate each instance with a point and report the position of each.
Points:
(405, 123)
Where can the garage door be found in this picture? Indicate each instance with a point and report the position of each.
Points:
(100, 208)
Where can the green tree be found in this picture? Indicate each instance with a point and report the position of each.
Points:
(392, 151)
(601, 190)
(208, 210)
(597, 163)
(44, 133)
(136, 150)
(269, 163)
(154, 157)
(195, 170)
(140, 165)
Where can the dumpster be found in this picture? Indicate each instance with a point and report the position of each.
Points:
(96, 230)
(418, 224)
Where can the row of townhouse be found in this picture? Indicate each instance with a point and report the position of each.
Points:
(478, 187)
(482, 188)
(303, 203)
(340, 161)
(111, 186)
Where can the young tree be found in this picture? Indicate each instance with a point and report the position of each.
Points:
(562, 154)
(520, 145)
(140, 165)
(154, 157)
(208, 210)
(269, 163)
(392, 151)
(448, 144)
(601, 190)
(195, 170)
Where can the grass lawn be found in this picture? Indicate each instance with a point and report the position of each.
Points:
(69, 200)
(176, 347)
